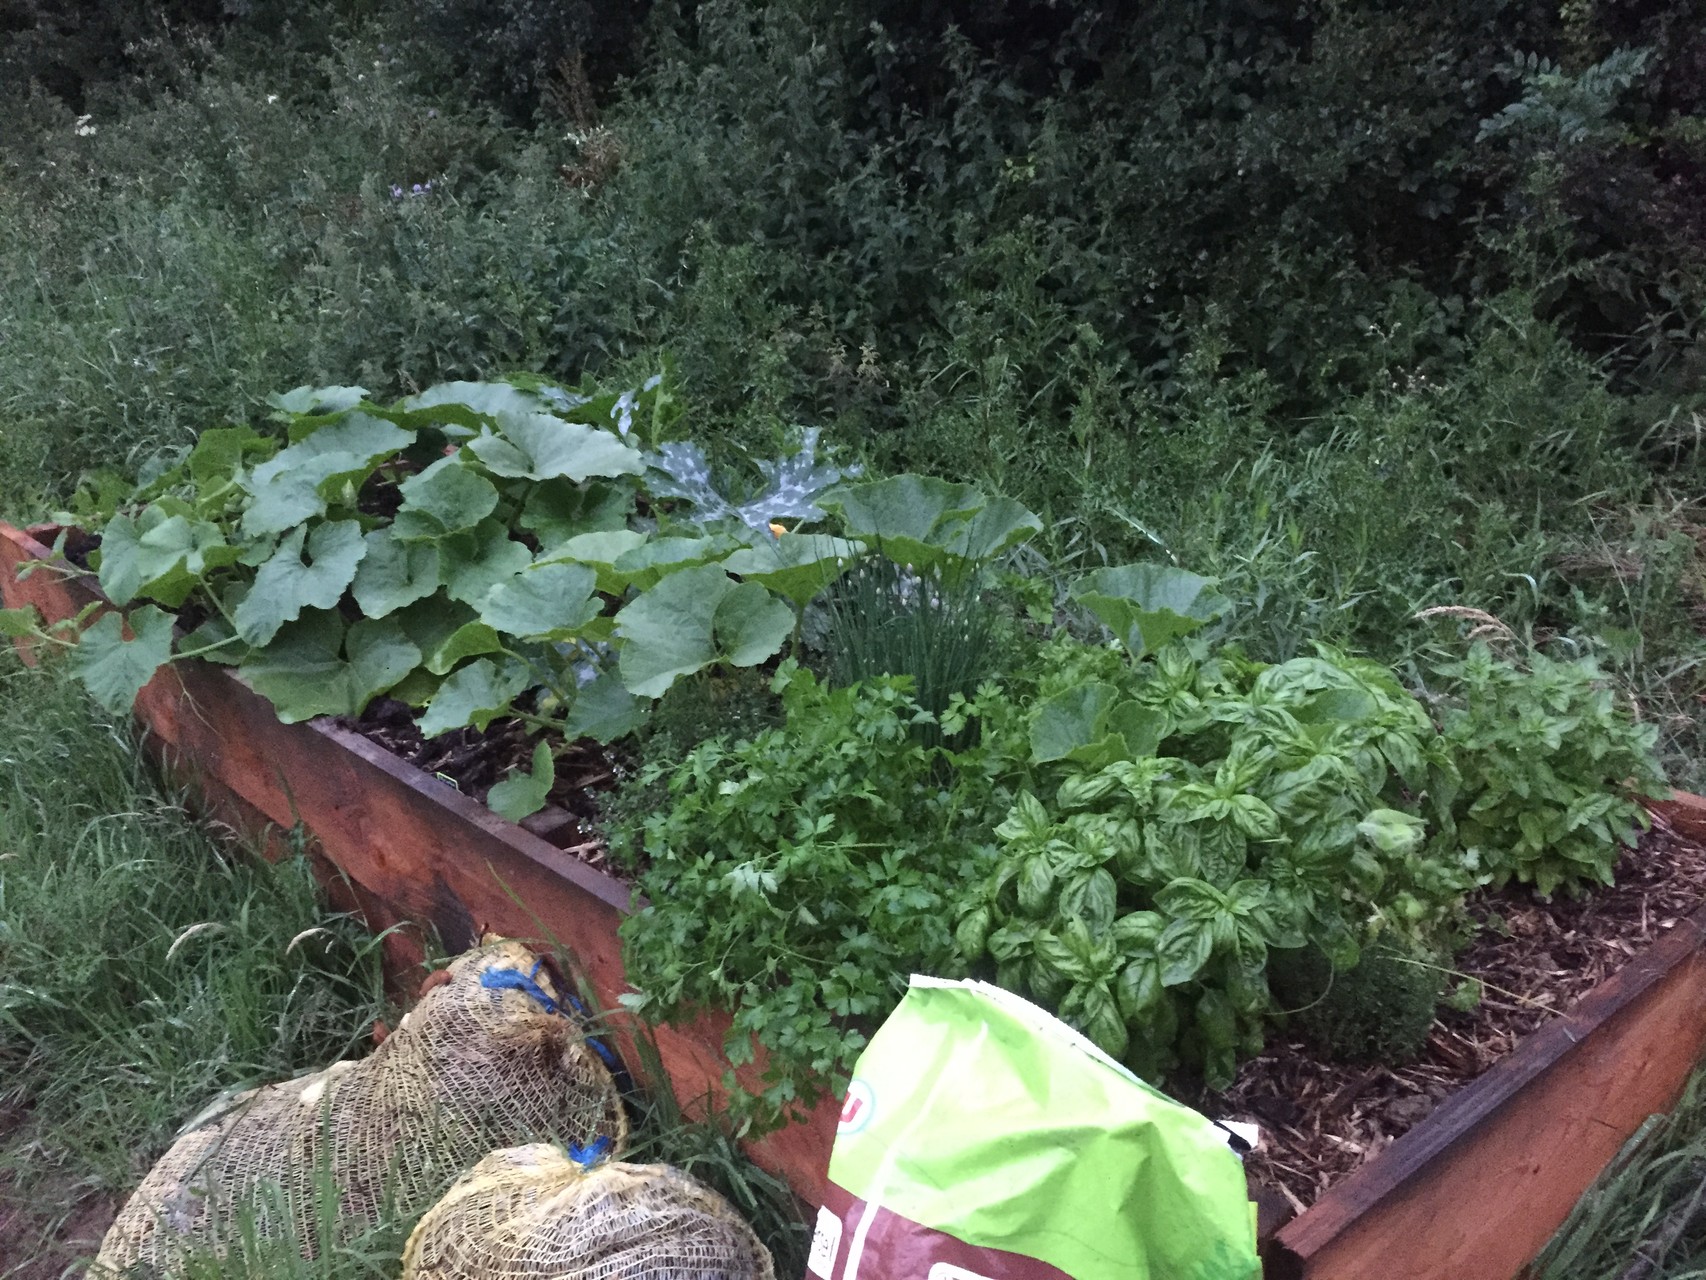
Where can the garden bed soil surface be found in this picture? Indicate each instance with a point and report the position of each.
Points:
(472, 761)
(49, 1226)
(1321, 1120)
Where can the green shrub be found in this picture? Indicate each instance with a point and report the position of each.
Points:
(510, 50)
(796, 878)
(1552, 770)
(736, 705)
(1187, 816)
(1379, 1011)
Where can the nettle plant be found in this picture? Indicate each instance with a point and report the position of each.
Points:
(1190, 810)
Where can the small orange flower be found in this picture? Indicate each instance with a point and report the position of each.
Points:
(777, 530)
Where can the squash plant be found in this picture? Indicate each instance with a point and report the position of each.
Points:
(483, 550)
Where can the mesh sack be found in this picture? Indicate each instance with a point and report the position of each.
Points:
(483, 1061)
(532, 1213)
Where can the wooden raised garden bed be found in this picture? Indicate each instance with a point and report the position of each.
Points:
(1471, 1193)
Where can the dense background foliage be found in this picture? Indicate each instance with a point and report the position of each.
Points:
(1361, 307)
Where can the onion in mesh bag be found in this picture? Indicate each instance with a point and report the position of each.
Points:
(484, 1061)
(532, 1213)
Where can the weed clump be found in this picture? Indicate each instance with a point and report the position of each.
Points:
(143, 968)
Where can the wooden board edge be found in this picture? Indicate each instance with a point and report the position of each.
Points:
(520, 841)
(1684, 813)
(1418, 1154)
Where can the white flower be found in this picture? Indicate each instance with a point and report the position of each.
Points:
(271, 98)
(83, 128)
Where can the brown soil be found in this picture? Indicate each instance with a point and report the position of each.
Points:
(473, 762)
(49, 1227)
(1534, 959)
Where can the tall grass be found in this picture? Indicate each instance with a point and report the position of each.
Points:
(1644, 1218)
(955, 295)
(143, 968)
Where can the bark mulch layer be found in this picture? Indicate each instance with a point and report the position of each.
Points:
(1534, 959)
(473, 761)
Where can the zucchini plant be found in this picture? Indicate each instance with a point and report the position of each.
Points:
(483, 550)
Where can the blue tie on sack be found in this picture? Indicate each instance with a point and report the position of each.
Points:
(515, 980)
(590, 1154)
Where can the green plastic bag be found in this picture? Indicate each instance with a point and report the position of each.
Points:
(983, 1139)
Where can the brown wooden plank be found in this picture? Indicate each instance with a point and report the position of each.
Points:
(1685, 813)
(53, 587)
(1477, 1189)
(428, 853)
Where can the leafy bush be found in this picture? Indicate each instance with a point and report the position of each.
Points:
(797, 877)
(735, 704)
(1380, 1011)
(1551, 769)
(1205, 810)
(509, 50)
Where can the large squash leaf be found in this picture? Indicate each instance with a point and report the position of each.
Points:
(475, 695)
(544, 602)
(446, 498)
(557, 510)
(114, 668)
(476, 560)
(650, 562)
(795, 565)
(315, 668)
(1147, 606)
(311, 401)
(600, 551)
(296, 483)
(929, 523)
(393, 575)
(160, 556)
(693, 618)
(541, 446)
(288, 582)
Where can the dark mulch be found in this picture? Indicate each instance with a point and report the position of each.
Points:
(1534, 959)
(473, 761)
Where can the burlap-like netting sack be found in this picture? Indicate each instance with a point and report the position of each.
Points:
(484, 1061)
(534, 1214)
